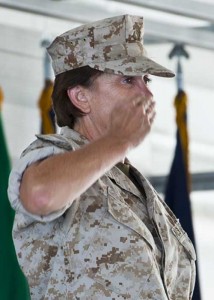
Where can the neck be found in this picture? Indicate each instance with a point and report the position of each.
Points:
(87, 128)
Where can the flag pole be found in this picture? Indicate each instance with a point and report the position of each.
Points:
(180, 104)
(177, 194)
(179, 51)
(48, 125)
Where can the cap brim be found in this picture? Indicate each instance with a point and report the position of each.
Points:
(133, 66)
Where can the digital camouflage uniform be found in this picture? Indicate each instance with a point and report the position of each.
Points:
(118, 240)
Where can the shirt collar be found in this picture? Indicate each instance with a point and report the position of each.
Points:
(69, 133)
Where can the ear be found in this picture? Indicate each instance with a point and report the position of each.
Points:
(79, 98)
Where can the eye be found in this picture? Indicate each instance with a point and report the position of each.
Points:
(146, 79)
(128, 80)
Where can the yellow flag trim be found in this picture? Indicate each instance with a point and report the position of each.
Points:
(180, 104)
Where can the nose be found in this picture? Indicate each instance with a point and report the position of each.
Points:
(144, 88)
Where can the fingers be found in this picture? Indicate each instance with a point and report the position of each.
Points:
(137, 102)
(152, 117)
(150, 112)
(133, 120)
(148, 108)
(147, 104)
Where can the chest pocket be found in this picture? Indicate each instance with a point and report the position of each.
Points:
(126, 264)
(122, 214)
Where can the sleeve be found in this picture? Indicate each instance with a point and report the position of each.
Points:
(28, 158)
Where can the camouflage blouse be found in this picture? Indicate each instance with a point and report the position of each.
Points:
(117, 241)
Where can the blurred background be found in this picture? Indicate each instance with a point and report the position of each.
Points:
(27, 26)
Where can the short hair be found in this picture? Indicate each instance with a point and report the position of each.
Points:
(67, 113)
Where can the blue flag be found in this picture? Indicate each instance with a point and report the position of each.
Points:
(177, 189)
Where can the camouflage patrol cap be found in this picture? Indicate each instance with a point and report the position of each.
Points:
(113, 45)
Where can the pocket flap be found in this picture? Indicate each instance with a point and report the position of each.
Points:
(124, 215)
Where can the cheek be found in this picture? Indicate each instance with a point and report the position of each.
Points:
(108, 99)
(100, 108)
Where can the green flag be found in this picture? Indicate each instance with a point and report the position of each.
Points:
(13, 285)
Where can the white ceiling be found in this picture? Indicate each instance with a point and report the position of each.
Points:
(186, 17)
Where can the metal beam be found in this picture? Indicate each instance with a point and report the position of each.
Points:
(80, 14)
(177, 34)
(75, 11)
(199, 182)
(190, 8)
